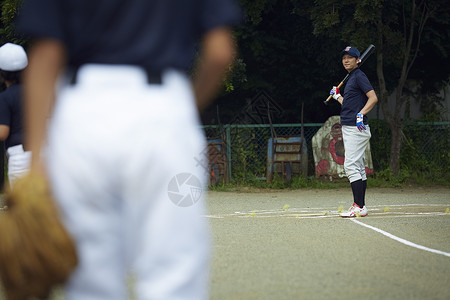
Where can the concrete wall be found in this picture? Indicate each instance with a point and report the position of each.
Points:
(412, 107)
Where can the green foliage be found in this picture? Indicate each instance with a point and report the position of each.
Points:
(425, 155)
(380, 143)
(359, 23)
(222, 187)
(277, 182)
(425, 160)
(406, 176)
(291, 50)
(245, 153)
(254, 10)
(300, 182)
(331, 18)
(399, 30)
(382, 179)
(419, 168)
(315, 183)
(251, 183)
(281, 58)
(236, 75)
(9, 9)
(385, 178)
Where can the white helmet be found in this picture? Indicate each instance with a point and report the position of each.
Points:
(12, 57)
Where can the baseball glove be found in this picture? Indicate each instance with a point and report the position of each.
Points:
(36, 252)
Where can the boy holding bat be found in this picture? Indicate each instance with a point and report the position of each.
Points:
(357, 99)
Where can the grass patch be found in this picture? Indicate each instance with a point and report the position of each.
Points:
(381, 179)
(258, 185)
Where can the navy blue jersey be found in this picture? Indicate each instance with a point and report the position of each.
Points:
(354, 97)
(155, 34)
(11, 114)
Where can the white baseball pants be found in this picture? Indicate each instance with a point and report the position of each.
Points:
(18, 162)
(115, 143)
(355, 144)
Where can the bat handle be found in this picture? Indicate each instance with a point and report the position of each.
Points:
(329, 97)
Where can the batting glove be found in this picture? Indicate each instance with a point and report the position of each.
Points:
(335, 92)
(360, 122)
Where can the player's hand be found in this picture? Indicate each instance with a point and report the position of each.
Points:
(335, 93)
(360, 122)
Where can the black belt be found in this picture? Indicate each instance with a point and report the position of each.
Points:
(15, 144)
(20, 144)
(153, 77)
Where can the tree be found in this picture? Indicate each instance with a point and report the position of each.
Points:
(396, 28)
(9, 10)
(284, 59)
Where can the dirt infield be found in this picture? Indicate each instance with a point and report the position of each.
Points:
(293, 245)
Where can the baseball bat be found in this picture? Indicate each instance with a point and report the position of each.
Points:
(363, 57)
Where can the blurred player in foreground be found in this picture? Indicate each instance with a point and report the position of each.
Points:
(357, 100)
(124, 123)
(13, 60)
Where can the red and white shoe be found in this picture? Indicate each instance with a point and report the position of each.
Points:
(355, 211)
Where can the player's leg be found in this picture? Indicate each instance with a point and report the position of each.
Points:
(362, 164)
(168, 243)
(355, 143)
(81, 167)
(364, 191)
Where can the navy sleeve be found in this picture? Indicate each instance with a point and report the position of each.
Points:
(218, 13)
(41, 19)
(5, 114)
(364, 83)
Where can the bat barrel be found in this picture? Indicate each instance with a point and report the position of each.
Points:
(367, 53)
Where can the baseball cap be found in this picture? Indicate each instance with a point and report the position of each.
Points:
(351, 51)
(12, 57)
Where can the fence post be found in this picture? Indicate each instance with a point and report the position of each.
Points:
(228, 143)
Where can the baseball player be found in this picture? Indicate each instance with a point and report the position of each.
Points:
(357, 100)
(13, 60)
(124, 132)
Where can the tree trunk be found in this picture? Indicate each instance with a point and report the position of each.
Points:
(396, 143)
(383, 93)
(395, 123)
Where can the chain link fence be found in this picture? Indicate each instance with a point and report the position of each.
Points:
(430, 140)
(246, 146)
(242, 150)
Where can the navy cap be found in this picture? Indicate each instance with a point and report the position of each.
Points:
(351, 51)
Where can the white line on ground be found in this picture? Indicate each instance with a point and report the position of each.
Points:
(406, 205)
(316, 213)
(403, 241)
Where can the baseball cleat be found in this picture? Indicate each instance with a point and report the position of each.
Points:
(355, 211)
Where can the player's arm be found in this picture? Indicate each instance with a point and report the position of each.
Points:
(46, 61)
(216, 54)
(335, 92)
(5, 120)
(4, 132)
(372, 99)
